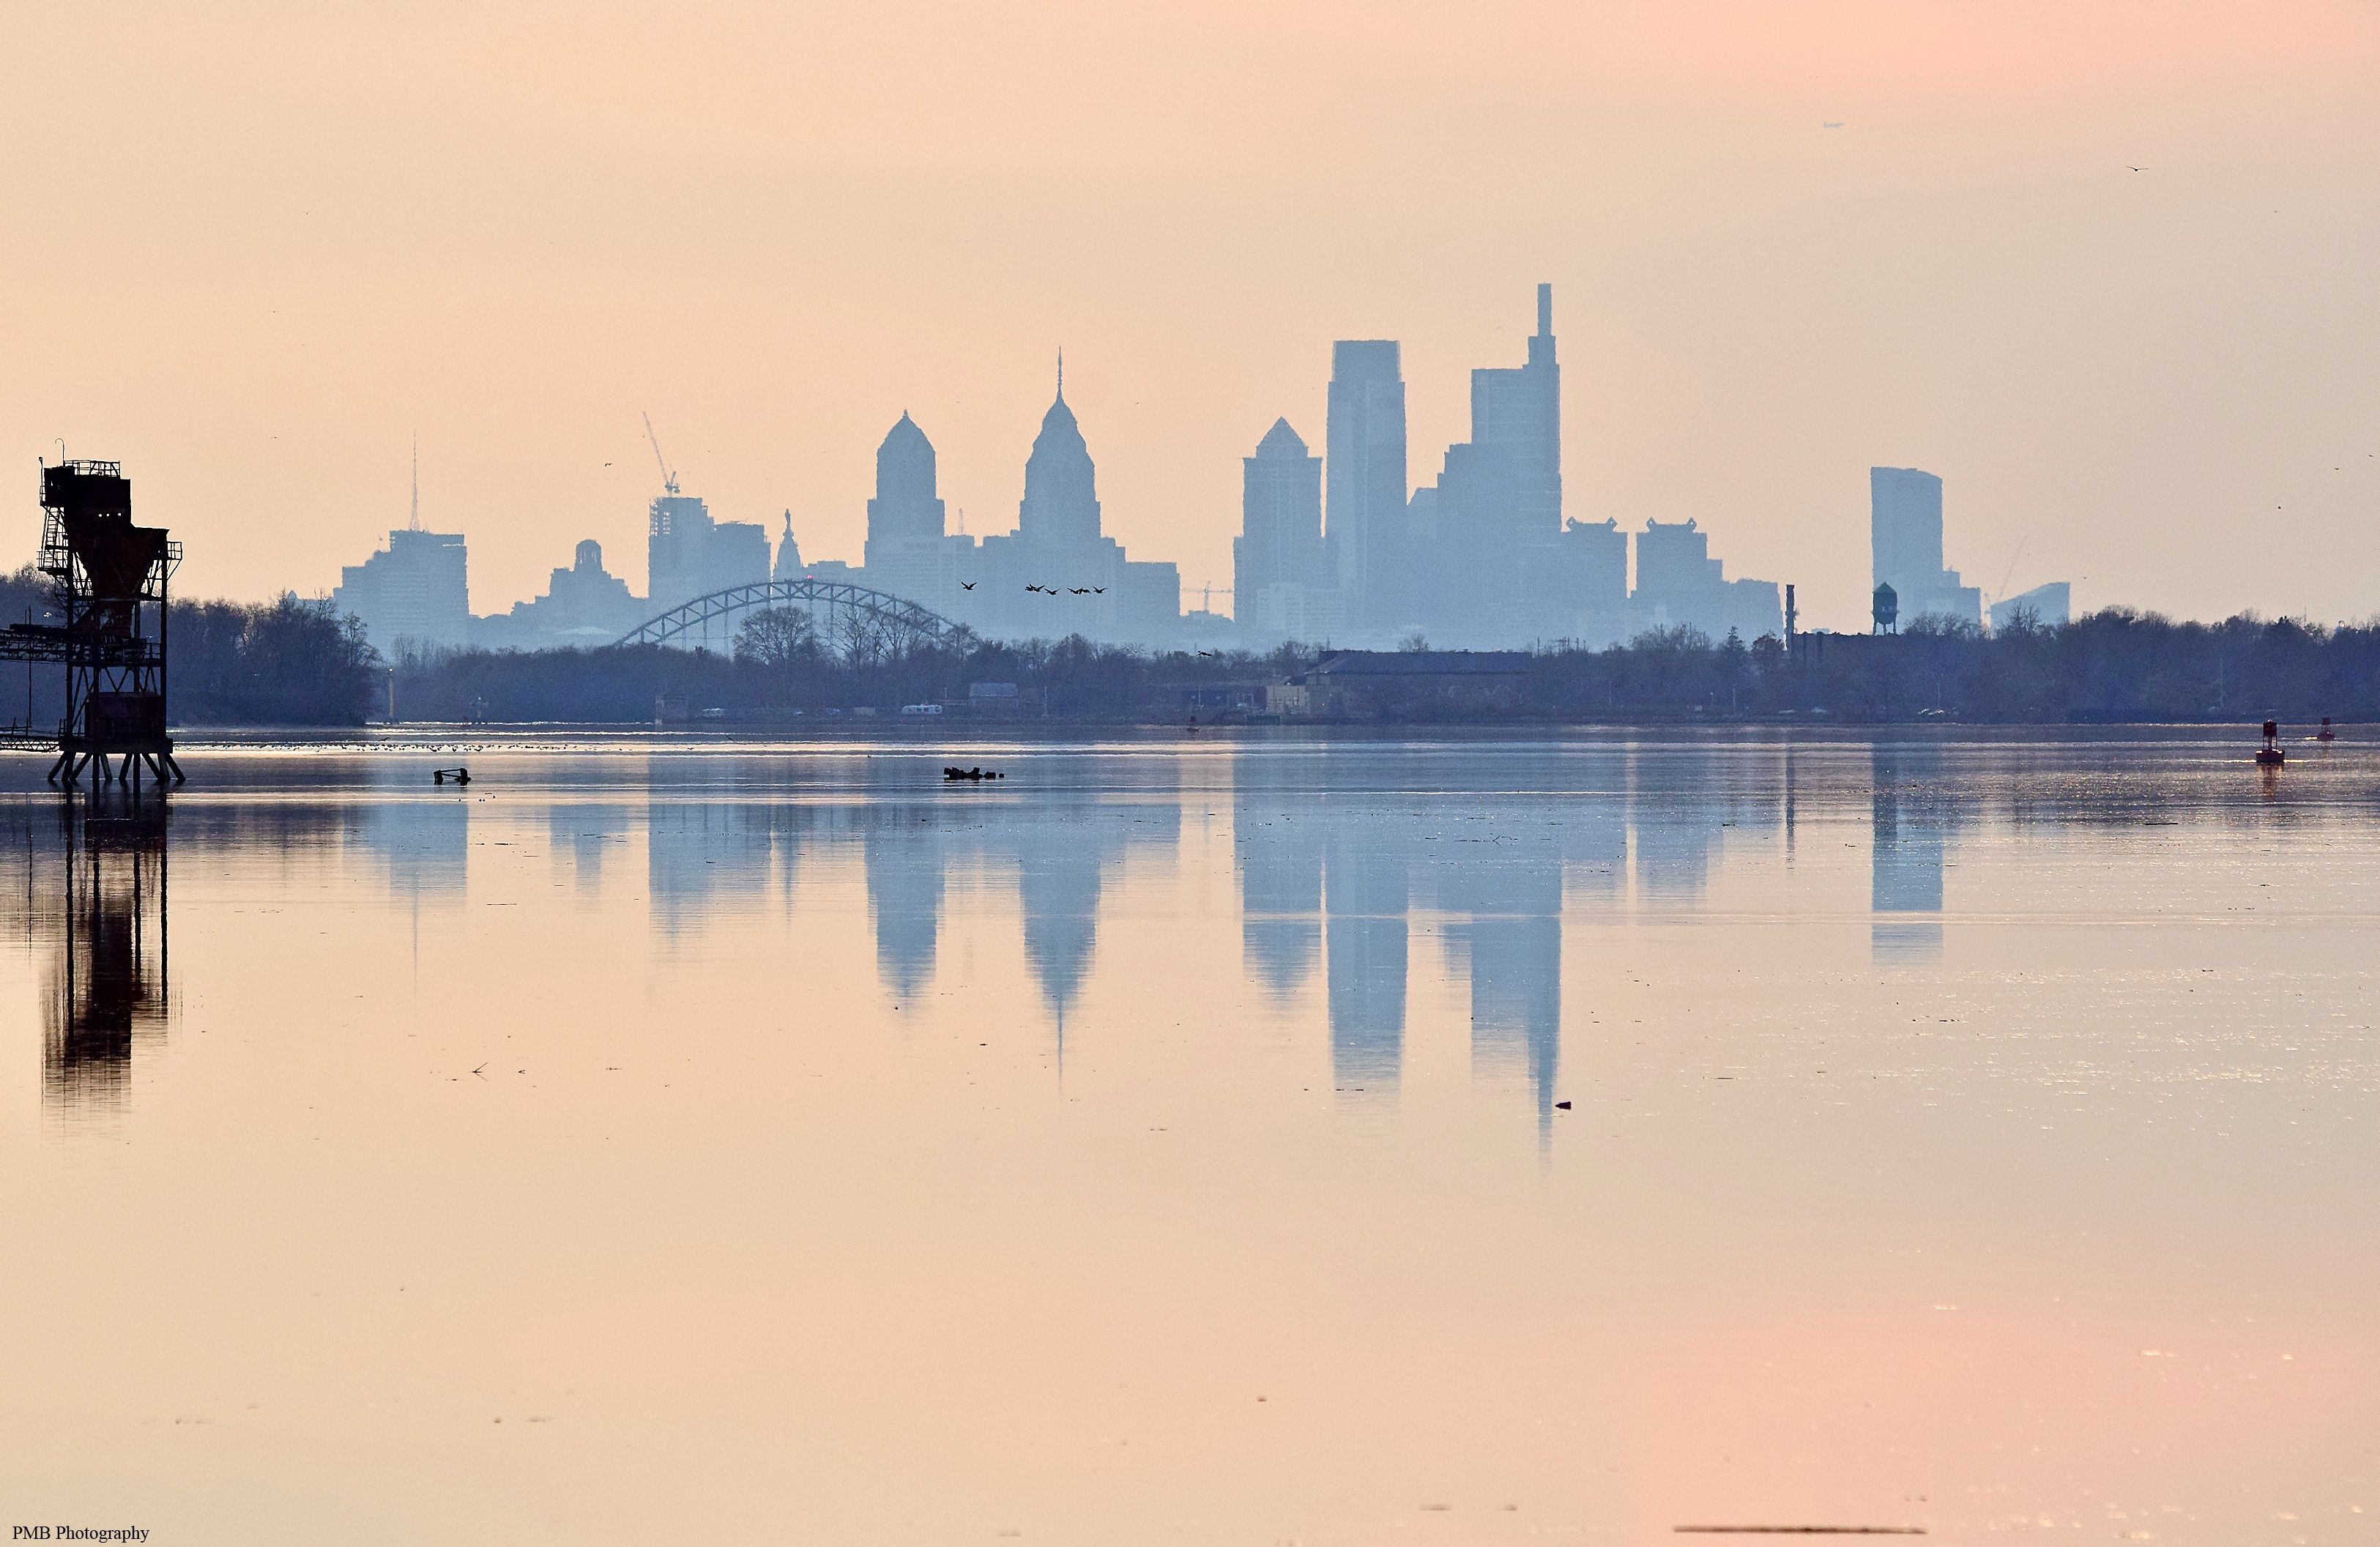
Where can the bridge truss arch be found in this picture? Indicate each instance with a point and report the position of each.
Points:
(825, 599)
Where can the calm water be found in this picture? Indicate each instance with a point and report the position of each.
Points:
(1197, 1142)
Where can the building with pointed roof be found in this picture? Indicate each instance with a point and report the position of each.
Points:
(1085, 582)
(910, 553)
(1282, 579)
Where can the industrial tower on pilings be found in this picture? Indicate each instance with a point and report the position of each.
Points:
(109, 581)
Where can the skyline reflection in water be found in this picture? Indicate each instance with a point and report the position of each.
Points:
(656, 1140)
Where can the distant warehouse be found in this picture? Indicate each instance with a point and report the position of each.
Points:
(1368, 684)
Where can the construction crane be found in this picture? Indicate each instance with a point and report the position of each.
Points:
(669, 478)
(2002, 593)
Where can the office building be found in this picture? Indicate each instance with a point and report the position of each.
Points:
(1085, 582)
(1905, 534)
(1679, 585)
(412, 597)
(687, 554)
(584, 607)
(1496, 512)
(1279, 559)
(909, 553)
(1590, 569)
(1365, 522)
(2051, 606)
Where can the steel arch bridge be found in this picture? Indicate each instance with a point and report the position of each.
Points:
(704, 611)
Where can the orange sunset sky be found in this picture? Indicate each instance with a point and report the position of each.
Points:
(250, 250)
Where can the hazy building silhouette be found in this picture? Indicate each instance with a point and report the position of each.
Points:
(412, 596)
(1279, 562)
(584, 607)
(1590, 564)
(910, 553)
(1090, 585)
(2051, 606)
(1495, 516)
(688, 555)
(1680, 585)
(1905, 537)
(788, 562)
(1365, 515)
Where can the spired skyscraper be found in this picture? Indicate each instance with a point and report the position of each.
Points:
(1366, 526)
(1496, 512)
(1087, 585)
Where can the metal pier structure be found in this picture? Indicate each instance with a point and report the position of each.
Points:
(109, 581)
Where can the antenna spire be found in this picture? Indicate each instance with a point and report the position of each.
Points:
(413, 521)
(1061, 373)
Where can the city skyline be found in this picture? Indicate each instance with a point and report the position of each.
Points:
(1337, 550)
(440, 221)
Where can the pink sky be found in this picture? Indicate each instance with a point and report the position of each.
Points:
(250, 249)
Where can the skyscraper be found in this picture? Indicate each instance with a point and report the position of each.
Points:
(1278, 550)
(1365, 467)
(1680, 585)
(905, 507)
(1905, 536)
(910, 554)
(1060, 508)
(413, 594)
(1498, 505)
(1084, 582)
(1516, 424)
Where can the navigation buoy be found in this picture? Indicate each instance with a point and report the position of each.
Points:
(2325, 733)
(2270, 755)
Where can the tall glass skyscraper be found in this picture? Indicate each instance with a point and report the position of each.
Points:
(1364, 513)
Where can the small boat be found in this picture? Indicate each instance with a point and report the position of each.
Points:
(2270, 755)
(460, 776)
(969, 775)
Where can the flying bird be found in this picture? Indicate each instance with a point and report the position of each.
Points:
(1080, 591)
(966, 585)
(2133, 168)
(1836, 125)
(1032, 588)
(1209, 652)
(1100, 589)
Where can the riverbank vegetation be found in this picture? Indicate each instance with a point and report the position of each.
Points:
(2111, 667)
(293, 662)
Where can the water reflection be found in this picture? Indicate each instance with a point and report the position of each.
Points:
(421, 846)
(1908, 835)
(1339, 848)
(1349, 860)
(86, 888)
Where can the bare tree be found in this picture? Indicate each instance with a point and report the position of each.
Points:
(777, 639)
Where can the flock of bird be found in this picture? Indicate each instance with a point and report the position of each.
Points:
(1052, 590)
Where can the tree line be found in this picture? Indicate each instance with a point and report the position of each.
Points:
(286, 663)
(295, 662)
(2114, 666)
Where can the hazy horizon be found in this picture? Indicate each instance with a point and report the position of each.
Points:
(251, 253)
